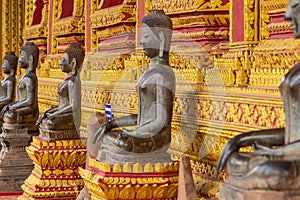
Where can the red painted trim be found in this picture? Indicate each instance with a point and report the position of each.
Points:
(133, 174)
(11, 193)
(237, 21)
(50, 37)
(141, 14)
(88, 26)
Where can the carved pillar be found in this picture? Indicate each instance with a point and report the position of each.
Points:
(244, 20)
(12, 24)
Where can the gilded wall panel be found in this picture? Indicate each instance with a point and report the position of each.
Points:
(12, 25)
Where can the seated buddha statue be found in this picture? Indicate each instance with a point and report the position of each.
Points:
(25, 110)
(67, 115)
(274, 165)
(9, 82)
(151, 127)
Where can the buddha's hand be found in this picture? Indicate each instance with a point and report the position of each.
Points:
(124, 141)
(98, 136)
(267, 151)
(51, 115)
(42, 116)
(12, 107)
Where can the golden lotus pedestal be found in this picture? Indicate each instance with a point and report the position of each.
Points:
(228, 192)
(131, 181)
(55, 174)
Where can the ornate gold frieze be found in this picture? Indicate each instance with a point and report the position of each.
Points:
(115, 31)
(125, 44)
(113, 15)
(48, 89)
(35, 31)
(267, 77)
(68, 26)
(274, 6)
(276, 54)
(217, 19)
(278, 26)
(186, 6)
(201, 34)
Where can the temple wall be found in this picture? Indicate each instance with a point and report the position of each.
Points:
(228, 59)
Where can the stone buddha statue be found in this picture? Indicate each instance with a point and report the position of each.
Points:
(274, 165)
(25, 110)
(151, 132)
(66, 117)
(9, 82)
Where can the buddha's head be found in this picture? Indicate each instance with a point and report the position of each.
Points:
(29, 57)
(10, 63)
(72, 59)
(293, 14)
(156, 34)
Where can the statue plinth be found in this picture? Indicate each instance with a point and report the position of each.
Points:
(229, 192)
(32, 129)
(53, 135)
(55, 174)
(131, 181)
(15, 165)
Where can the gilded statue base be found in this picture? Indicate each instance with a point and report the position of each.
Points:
(55, 174)
(228, 192)
(131, 181)
(15, 166)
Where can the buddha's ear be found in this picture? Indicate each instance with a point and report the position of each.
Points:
(161, 43)
(30, 61)
(73, 65)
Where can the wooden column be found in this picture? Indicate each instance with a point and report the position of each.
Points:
(88, 28)
(50, 36)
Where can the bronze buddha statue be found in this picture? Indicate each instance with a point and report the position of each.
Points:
(25, 110)
(8, 84)
(274, 165)
(155, 88)
(67, 116)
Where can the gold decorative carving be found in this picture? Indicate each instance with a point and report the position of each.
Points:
(56, 169)
(277, 54)
(39, 30)
(130, 181)
(68, 26)
(274, 6)
(186, 6)
(73, 24)
(265, 19)
(113, 15)
(201, 34)
(249, 22)
(201, 19)
(115, 31)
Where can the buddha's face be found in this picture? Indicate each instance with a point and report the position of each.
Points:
(293, 14)
(65, 64)
(23, 60)
(6, 67)
(150, 42)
